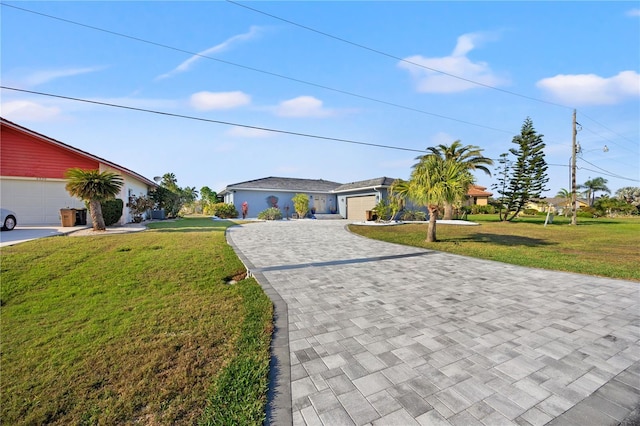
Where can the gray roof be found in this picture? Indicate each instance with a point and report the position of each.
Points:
(369, 183)
(286, 184)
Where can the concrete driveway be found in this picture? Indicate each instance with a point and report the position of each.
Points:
(25, 233)
(374, 333)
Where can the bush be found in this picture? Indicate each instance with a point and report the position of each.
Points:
(488, 209)
(112, 211)
(301, 204)
(586, 212)
(382, 211)
(410, 215)
(224, 210)
(530, 212)
(271, 213)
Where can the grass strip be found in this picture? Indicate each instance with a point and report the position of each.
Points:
(601, 247)
(128, 328)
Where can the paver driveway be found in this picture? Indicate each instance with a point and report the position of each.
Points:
(383, 334)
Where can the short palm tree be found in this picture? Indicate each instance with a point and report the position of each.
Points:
(469, 156)
(93, 187)
(436, 181)
(565, 194)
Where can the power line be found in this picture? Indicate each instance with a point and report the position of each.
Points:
(607, 172)
(273, 74)
(602, 125)
(227, 123)
(397, 58)
(610, 140)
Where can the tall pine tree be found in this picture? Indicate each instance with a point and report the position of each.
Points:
(524, 178)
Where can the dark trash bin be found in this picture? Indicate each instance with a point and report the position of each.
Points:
(81, 216)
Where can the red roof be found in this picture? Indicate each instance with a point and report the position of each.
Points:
(54, 165)
(478, 191)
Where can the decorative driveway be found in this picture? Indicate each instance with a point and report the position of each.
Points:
(369, 332)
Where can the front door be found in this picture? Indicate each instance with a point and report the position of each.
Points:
(320, 203)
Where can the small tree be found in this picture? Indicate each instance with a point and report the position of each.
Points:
(524, 178)
(93, 187)
(139, 205)
(301, 204)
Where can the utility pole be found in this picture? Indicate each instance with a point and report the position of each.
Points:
(574, 200)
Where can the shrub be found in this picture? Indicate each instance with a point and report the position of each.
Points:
(224, 210)
(271, 213)
(530, 212)
(382, 211)
(112, 211)
(301, 204)
(410, 215)
(586, 212)
(488, 209)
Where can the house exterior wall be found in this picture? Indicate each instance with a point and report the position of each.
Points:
(380, 193)
(36, 201)
(32, 183)
(257, 200)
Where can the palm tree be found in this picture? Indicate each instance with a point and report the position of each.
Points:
(93, 187)
(469, 156)
(594, 185)
(565, 194)
(435, 181)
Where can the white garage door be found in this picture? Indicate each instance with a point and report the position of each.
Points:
(36, 201)
(357, 206)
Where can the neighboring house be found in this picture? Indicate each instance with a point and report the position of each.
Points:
(32, 168)
(556, 204)
(350, 200)
(477, 195)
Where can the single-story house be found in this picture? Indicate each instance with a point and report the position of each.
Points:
(478, 195)
(32, 168)
(556, 204)
(350, 200)
(260, 194)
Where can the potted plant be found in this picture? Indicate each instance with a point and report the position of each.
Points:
(138, 206)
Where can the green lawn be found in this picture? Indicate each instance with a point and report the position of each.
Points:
(603, 247)
(132, 328)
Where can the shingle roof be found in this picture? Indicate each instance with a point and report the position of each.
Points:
(370, 183)
(286, 184)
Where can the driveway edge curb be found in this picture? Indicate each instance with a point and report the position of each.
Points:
(279, 407)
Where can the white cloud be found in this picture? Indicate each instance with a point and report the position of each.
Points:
(441, 138)
(27, 111)
(218, 48)
(37, 78)
(428, 80)
(591, 89)
(246, 132)
(205, 101)
(302, 106)
(633, 12)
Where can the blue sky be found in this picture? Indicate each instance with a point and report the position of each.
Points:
(411, 75)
